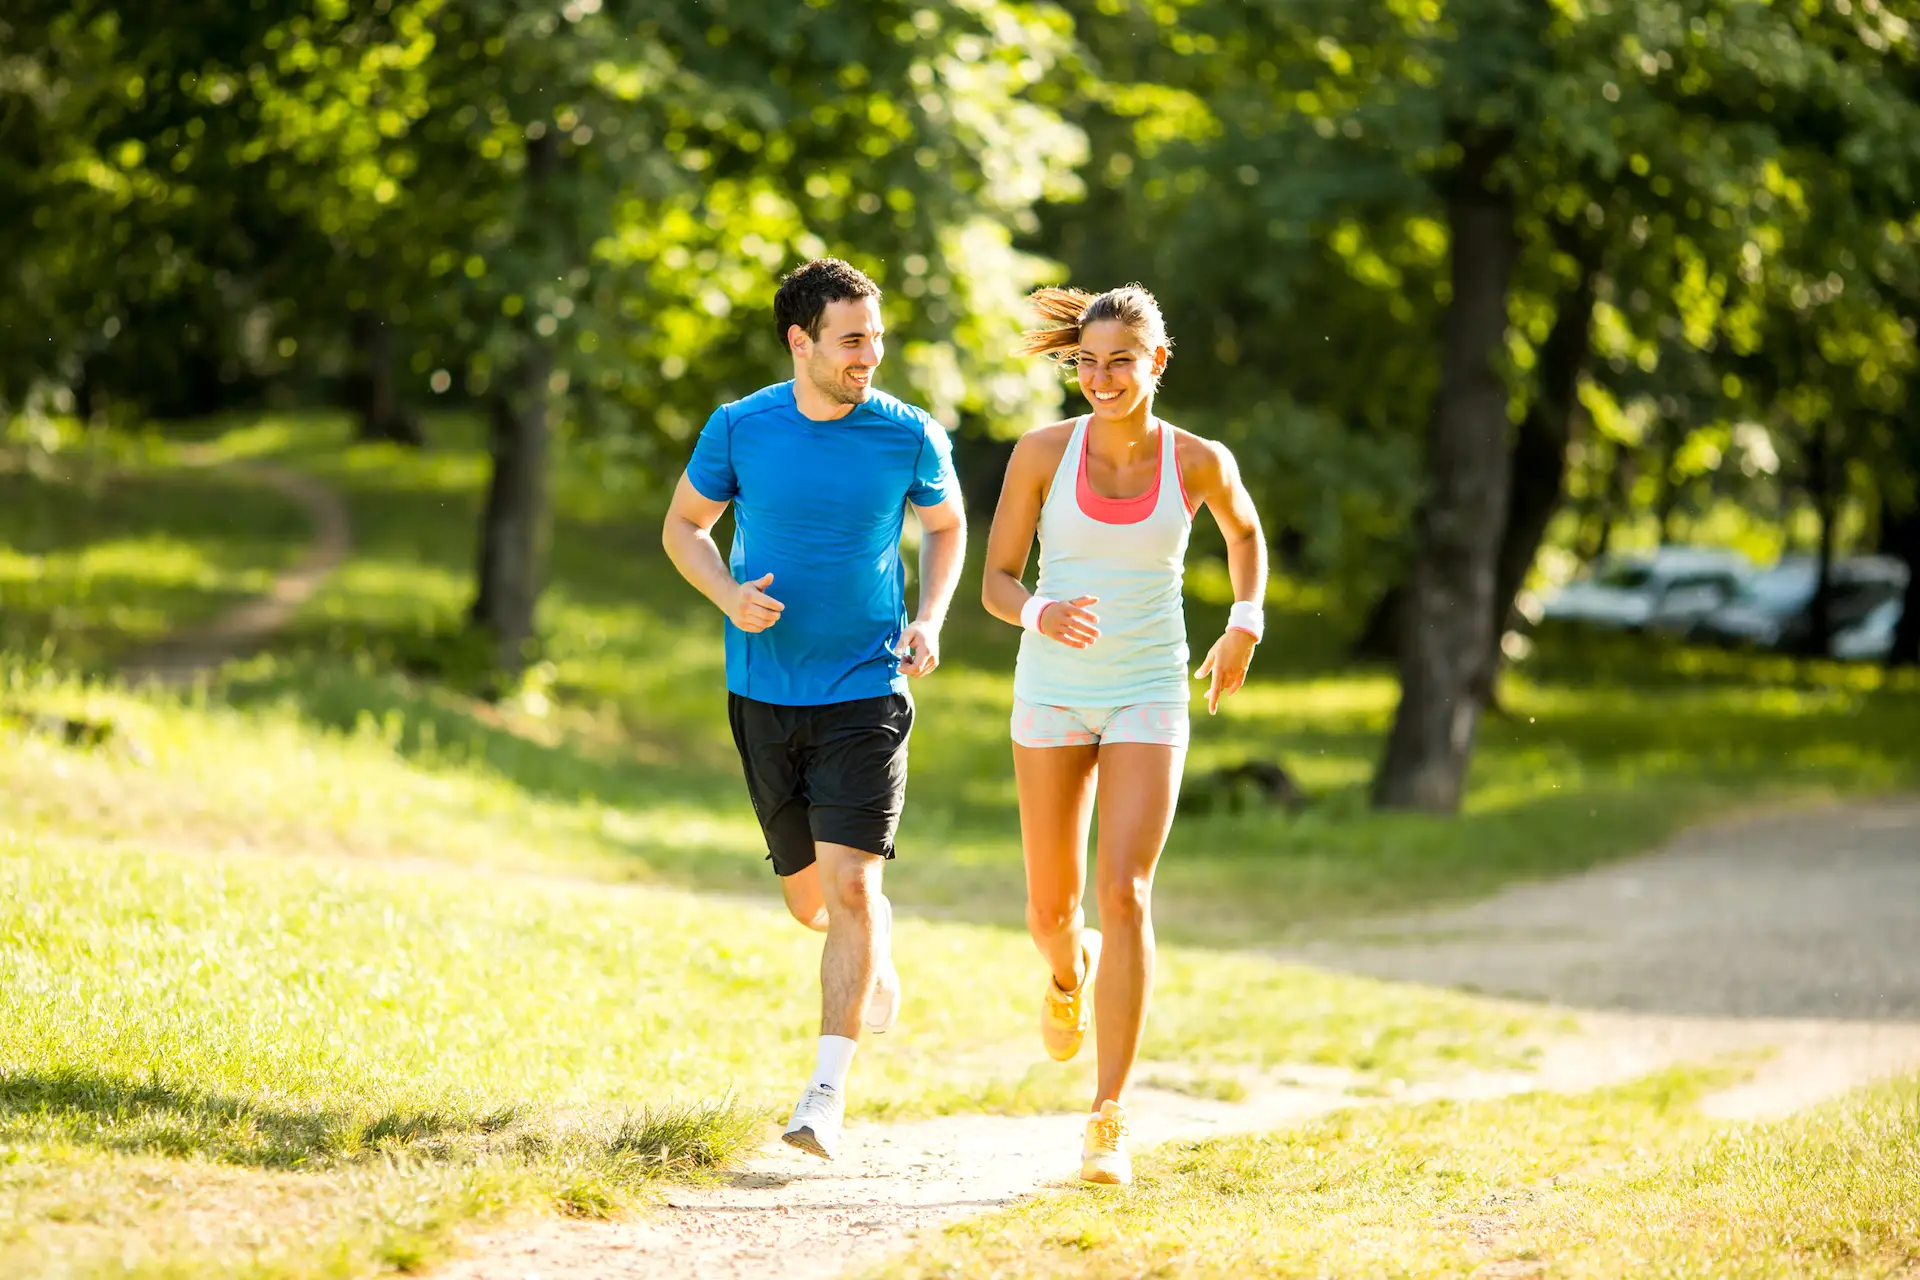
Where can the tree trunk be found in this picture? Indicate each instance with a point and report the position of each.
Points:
(86, 397)
(372, 392)
(514, 526)
(1818, 639)
(1539, 477)
(513, 531)
(1900, 536)
(1667, 500)
(1445, 637)
(981, 461)
(1379, 638)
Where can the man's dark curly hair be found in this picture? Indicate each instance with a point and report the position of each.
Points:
(806, 290)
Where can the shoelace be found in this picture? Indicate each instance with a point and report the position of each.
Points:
(1108, 1131)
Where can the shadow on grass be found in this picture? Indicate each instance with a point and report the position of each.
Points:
(601, 1155)
(430, 725)
(152, 1118)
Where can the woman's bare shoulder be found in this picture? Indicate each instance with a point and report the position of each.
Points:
(1199, 457)
(1042, 448)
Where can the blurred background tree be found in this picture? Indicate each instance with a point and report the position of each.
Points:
(1478, 291)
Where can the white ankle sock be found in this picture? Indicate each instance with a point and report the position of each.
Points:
(836, 1058)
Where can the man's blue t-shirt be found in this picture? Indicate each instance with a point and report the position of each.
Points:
(819, 505)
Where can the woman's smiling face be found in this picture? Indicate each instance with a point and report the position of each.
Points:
(1117, 370)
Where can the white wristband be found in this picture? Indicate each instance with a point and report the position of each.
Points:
(1030, 612)
(1247, 616)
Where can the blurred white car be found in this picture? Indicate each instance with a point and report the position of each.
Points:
(1871, 638)
(1774, 608)
(1664, 590)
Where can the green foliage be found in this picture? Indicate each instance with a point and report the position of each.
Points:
(298, 163)
(202, 200)
(1274, 168)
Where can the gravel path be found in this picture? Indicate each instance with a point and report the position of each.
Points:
(799, 1218)
(1813, 914)
(793, 1217)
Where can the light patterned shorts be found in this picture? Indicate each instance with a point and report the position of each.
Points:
(1161, 724)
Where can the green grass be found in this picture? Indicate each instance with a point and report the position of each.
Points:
(1627, 1182)
(301, 970)
(96, 562)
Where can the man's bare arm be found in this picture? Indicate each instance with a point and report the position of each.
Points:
(687, 536)
(943, 549)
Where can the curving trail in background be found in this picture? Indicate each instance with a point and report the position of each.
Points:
(185, 655)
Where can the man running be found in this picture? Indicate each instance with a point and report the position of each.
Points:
(819, 647)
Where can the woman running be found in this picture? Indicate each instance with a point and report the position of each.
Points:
(1100, 689)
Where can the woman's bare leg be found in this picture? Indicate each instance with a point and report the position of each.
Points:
(1139, 784)
(1056, 787)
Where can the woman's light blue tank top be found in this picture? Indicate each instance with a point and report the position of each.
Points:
(1136, 570)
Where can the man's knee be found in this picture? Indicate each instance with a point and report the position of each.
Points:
(850, 881)
(854, 890)
(804, 903)
(811, 914)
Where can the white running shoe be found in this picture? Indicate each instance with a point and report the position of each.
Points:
(1103, 1156)
(883, 1006)
(815, 1127)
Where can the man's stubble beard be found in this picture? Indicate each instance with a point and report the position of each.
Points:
(828, 384)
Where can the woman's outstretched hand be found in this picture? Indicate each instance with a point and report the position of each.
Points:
(1227, 663)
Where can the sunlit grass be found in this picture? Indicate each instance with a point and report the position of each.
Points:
(372, 798)
(1601, 749)
(1627, 1182)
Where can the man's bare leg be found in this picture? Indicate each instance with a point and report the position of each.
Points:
(850, 888)
(802, 892)
(849, 885)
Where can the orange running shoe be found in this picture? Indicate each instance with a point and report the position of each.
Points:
(1065, 1015)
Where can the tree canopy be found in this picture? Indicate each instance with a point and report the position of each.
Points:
(1447, 275)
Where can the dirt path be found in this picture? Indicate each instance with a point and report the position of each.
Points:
(1787, 942)
(182, 656)
(790, 1216)
(1811, 914)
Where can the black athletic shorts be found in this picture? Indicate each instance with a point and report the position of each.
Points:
(836, 773)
